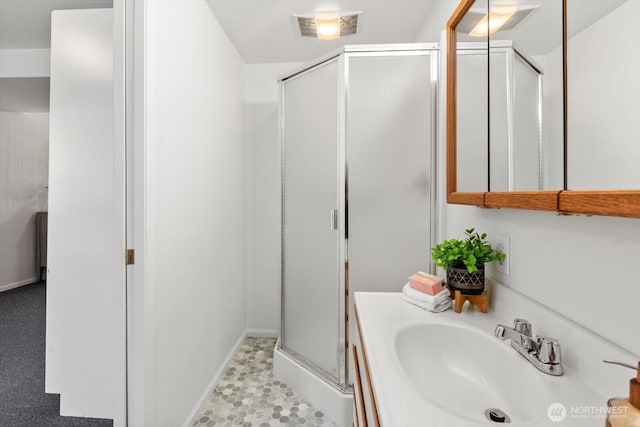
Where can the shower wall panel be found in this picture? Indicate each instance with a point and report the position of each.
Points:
(389, 170)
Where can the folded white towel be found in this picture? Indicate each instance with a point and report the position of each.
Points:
(426, 298)
(438, 307)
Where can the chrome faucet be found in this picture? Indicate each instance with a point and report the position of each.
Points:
(542, 352)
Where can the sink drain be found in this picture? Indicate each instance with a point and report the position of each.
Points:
(497, 416)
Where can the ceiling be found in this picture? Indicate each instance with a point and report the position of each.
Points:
(541, 31)
(26, 24)
(266, 31)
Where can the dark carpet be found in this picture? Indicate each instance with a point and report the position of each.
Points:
(23, 402)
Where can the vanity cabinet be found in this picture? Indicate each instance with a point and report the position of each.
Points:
(424, 375)
(364, 400)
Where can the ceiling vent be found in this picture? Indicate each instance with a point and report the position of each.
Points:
(328, 25)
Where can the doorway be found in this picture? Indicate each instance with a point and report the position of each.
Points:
(62, 295)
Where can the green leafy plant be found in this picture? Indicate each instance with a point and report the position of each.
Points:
(471, 253)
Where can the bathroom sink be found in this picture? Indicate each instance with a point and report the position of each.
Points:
(448, 369)
(466, 371)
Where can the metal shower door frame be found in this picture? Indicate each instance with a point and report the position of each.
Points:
(342, 56)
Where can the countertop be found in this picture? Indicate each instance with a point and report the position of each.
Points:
(382, 315)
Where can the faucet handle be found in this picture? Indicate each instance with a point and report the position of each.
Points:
(523, 326)
(549, 351)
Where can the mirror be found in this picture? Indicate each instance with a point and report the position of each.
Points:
(472, 108)
(591, 165)
(603, 86)
(517, 158)
(526, 113)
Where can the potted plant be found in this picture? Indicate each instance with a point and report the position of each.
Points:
(464, 261)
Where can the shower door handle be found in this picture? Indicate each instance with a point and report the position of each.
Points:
(334, 219)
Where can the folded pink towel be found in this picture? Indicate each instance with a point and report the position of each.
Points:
(425, 284)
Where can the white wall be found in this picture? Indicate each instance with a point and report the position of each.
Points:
(194, 257)
(24, 62)
(436, 20)
(577, 266)
(262, 140)
(80, 294)
(261, 84)
(24, 170)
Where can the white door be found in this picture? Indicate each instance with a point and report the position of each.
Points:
(86, 221)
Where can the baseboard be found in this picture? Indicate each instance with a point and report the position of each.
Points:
(261, 333)
(14, 285)
(213, 383)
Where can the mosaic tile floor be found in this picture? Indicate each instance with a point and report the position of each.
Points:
(249, 395)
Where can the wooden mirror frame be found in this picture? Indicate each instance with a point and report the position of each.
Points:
(625, 203)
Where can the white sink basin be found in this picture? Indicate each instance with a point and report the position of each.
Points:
(466, 371)
(446, 369)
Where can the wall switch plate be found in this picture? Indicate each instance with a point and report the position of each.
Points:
(502, 245)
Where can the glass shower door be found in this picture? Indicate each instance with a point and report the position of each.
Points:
(310, 292)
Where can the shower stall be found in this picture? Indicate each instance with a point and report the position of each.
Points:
(358, 132)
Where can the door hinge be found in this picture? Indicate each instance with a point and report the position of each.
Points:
(131, 257)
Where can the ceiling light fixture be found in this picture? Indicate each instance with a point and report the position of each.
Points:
(328, 25)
